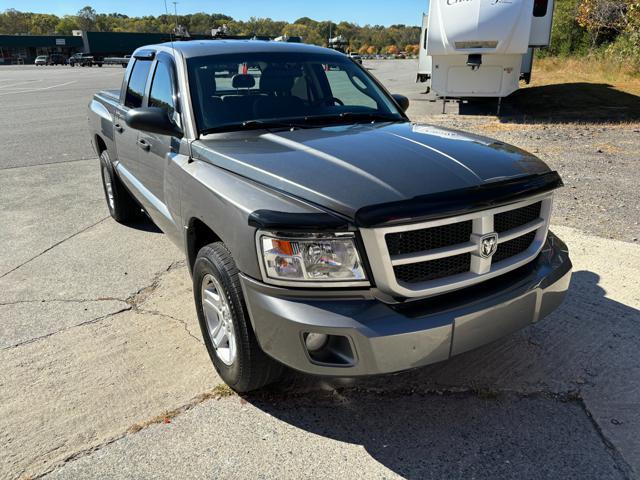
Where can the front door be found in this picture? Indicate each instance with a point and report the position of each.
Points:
(158, 151)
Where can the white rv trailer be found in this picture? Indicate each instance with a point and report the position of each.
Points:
(481, 48)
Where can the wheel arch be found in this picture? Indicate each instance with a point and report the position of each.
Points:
(199, 234)
(101, 145)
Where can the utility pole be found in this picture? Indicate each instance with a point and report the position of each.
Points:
(175, 11)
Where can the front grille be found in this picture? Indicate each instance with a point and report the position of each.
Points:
(438, 256)
(433, 269)
(513, 247)
(428, 238)
(516, 218)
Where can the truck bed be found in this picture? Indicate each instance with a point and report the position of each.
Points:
(111, 94)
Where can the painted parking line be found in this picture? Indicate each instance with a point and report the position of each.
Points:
(28, 90)
(19, 83)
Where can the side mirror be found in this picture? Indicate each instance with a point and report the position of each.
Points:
(402, 101)
(153, 120)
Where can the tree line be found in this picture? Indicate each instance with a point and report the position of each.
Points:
(366, 39)
(580, 27)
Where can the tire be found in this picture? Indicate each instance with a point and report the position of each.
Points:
(238, 358)
(122, 206)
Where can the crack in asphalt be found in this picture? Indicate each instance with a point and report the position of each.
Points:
(175, 319)
(216, 393)
(50, 163)
(142, 294)
(132, 303)
(63, 300)
(53, 246)
(62, 330)
(617, 457)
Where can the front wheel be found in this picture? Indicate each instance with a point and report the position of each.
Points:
(225, 324)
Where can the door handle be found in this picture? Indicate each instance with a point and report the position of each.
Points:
(118, 128)
(143, 144)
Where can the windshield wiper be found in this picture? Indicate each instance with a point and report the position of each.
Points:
(355, 117)
(252, 125)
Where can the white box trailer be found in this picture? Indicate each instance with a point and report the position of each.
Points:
(481, 48)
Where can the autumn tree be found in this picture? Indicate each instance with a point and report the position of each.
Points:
(603, 19)
(392, 50)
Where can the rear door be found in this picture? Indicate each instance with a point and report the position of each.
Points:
(127, 138)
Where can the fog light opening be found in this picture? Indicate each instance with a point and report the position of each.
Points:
(316, 341)
(329, 350)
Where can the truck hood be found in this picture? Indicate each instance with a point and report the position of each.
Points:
(348, 167)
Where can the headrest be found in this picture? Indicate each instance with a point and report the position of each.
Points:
(243, 81)
(277, 80)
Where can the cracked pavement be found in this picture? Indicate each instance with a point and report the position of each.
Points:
(104, 374)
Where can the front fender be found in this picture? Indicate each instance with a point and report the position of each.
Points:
(225, 201)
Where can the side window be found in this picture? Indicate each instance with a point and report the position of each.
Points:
(161, 94)
(137, 82)
(540, 8)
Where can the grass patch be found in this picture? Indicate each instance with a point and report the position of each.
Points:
(554, 70)
(585, 90)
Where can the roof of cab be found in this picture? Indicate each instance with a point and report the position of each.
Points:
(198, 48)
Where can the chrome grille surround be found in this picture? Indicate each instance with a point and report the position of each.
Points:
(382, 262)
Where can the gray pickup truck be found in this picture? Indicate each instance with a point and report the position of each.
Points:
(323, 230)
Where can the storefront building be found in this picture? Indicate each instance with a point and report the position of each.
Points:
(23, 49)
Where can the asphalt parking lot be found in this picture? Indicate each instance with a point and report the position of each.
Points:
(104, 374)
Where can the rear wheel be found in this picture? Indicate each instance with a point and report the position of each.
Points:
(225, 324)
(122, 207)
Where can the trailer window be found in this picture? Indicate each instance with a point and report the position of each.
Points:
(540, 8)
(137, 82)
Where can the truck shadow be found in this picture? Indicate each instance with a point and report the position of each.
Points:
(562, 103)
(497, 404)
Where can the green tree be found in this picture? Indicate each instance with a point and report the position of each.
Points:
(86, 18)
(43, 24)
(67, 24)
(567, 36)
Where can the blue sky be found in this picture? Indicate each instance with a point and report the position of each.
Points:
(383, 12)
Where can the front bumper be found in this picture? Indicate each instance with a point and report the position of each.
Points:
(383, 338)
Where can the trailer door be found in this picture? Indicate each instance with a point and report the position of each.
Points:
(424, 61)
(541, 23)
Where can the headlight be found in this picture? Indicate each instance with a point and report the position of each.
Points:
(311, 258)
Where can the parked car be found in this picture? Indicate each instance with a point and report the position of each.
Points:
(356, 58)
(81, 60)
(41, 60)
(322, 229)
(57, 59)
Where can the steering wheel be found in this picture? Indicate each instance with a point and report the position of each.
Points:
(326, 100)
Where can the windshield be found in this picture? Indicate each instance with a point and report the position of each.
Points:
(232, 92)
